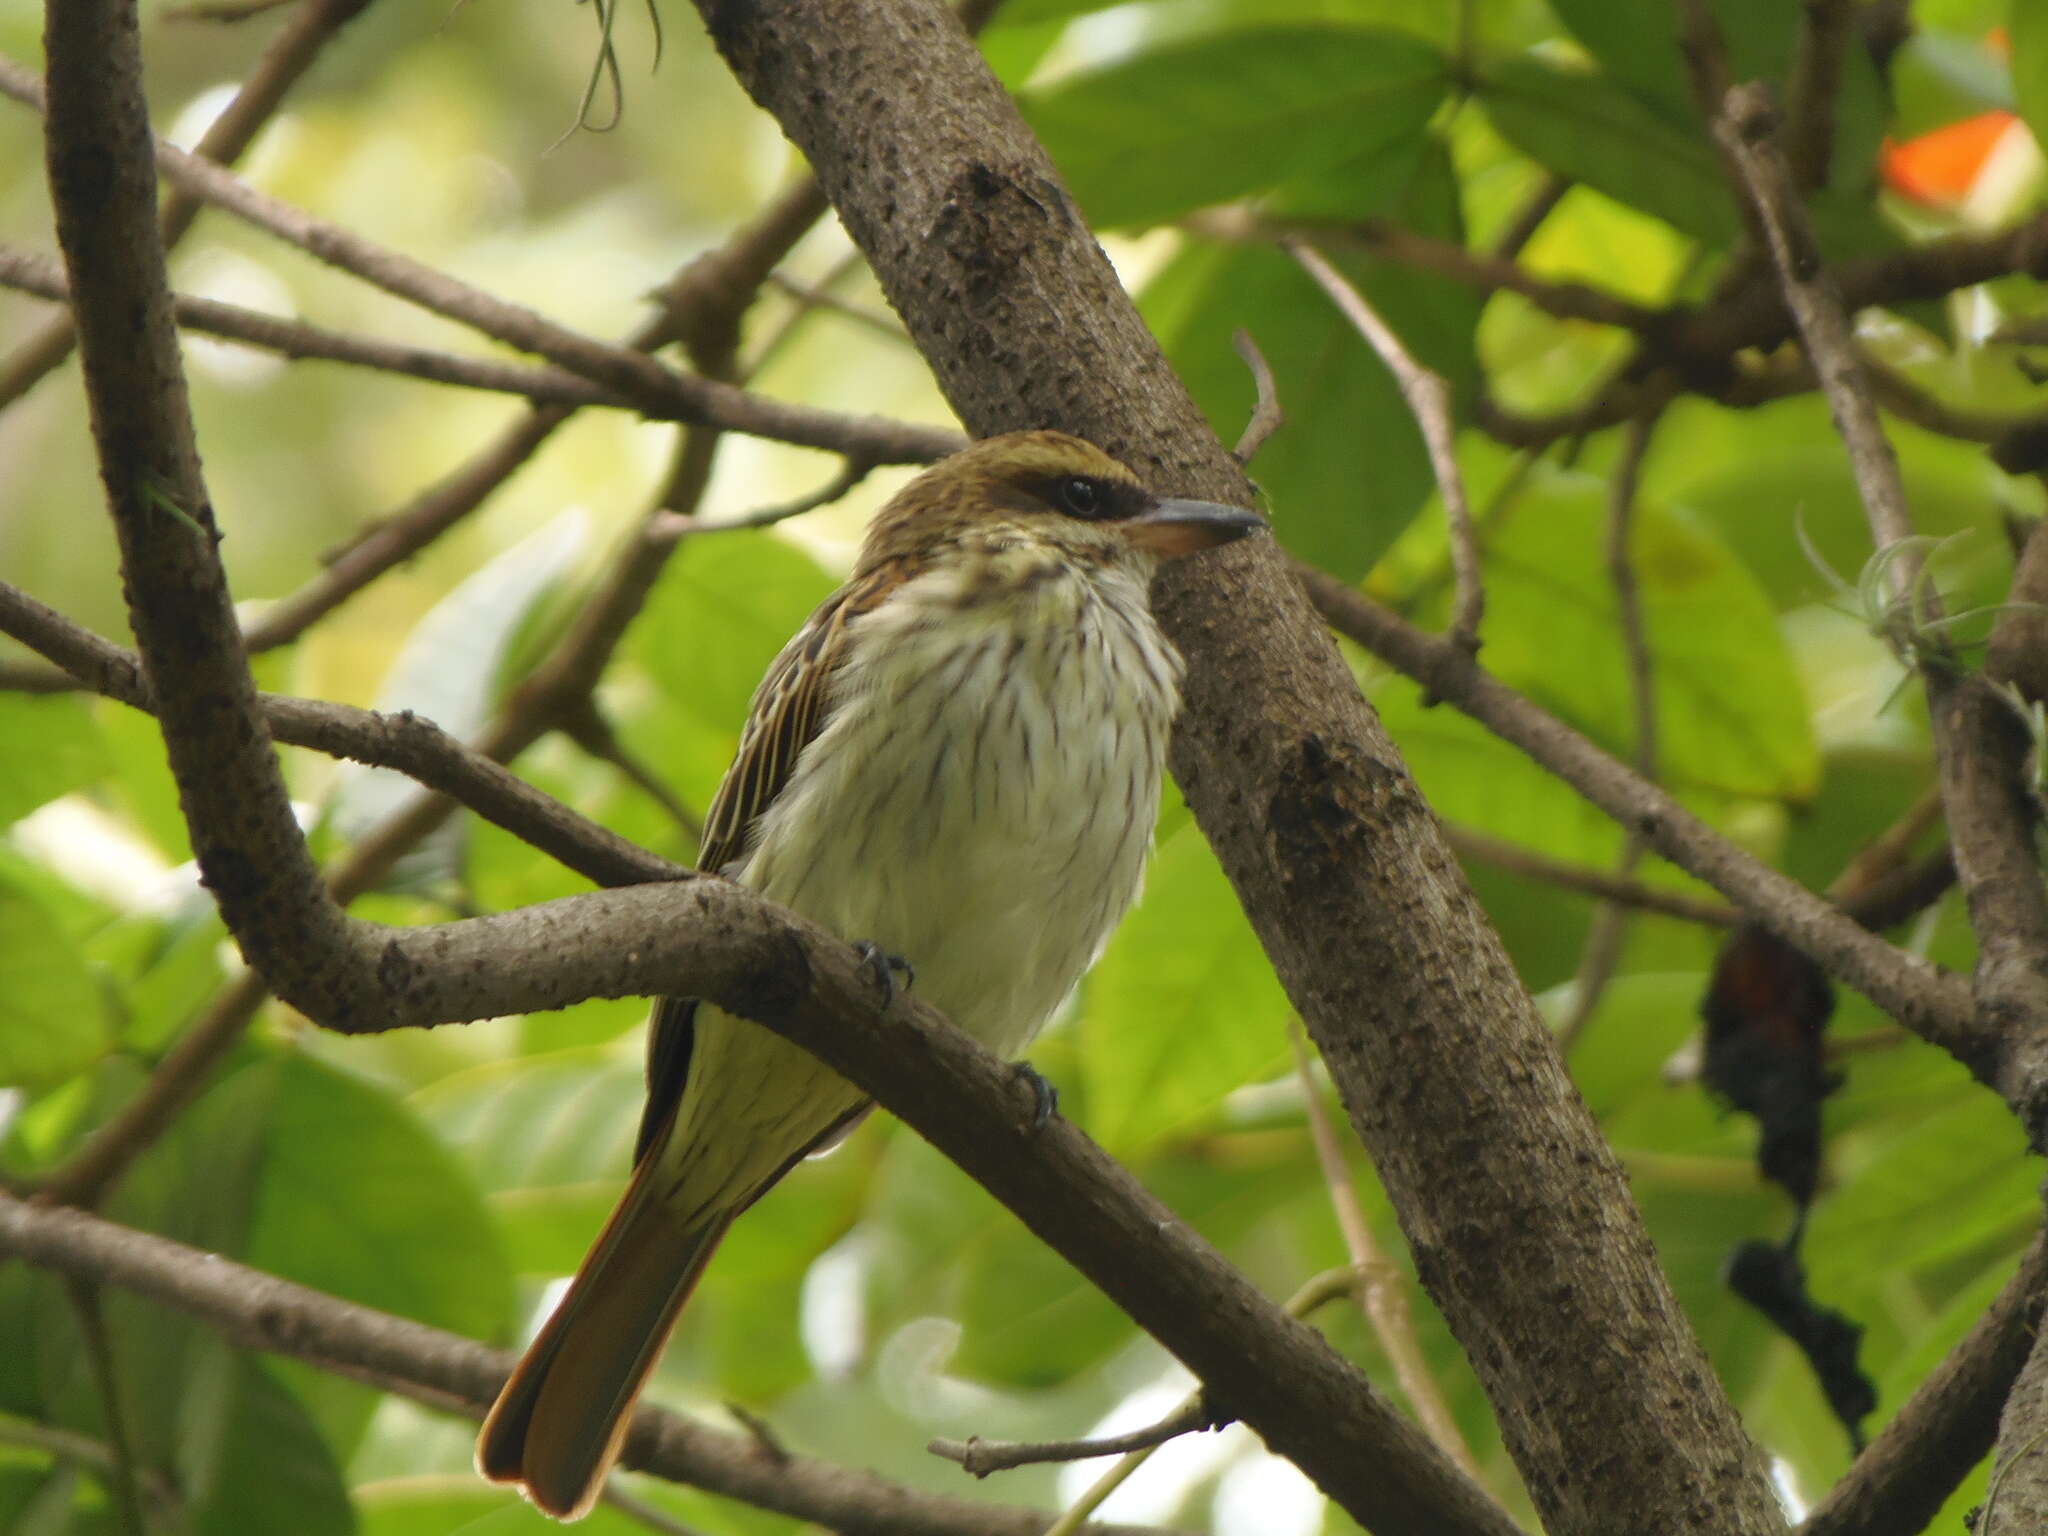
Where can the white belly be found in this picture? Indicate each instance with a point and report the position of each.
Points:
(957, 816)
(982, 802)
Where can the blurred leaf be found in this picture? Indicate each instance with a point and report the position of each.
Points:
(448, 673)
(1182, 1009)
(2028, 29)
(1203, 121)
(53, 1016)
(256, 1462)
(1638, 46)
(1940, 78)
(405, 1232)
(68, 750)
(725, 607)
(1731, 715)
(165, 969)
(1585, 128)
(1347, 472)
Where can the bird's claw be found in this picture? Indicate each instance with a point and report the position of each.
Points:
(883, 966)
(1044, 1097)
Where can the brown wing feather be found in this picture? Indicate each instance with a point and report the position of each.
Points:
(787, 711)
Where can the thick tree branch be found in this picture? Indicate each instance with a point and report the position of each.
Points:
(1517, 1213)
(445, 1371)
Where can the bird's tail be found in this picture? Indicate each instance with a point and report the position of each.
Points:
(557, 1426)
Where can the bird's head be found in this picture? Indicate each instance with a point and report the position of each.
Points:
(1049, 489)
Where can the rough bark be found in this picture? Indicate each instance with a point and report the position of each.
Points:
(1518, 1214)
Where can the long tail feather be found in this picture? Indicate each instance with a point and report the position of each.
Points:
(558, 1424)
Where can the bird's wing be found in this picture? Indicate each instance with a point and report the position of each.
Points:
(787, 711)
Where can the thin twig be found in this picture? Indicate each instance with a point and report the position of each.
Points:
(1429, 399)
(300, 340)
(676, 527)
(106, 1380)
(1540, 204)
(1324, 1288)
(635, 375)
(69, 1445)
(1602, 950)
(1826, 28)
(283, 62)
(1267, 417)
(1600, 883)
(818, 298)
(1934, 1004)
(1887, 851)
(978, 1457)
(1382, 1294)
(1426, 253)
(590, 730)
(658, 1520)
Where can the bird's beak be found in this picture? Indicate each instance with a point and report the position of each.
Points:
(1175, 528)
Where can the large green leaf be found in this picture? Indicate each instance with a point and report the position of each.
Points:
(253, 1461)
(1183, 1008)
(1586, 128)
(1207, 120)
(1347, 472)
(405, 1231)
(724, 608)
(1637, 45)
(1731, 715)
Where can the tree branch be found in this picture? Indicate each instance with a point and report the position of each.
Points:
(1976, 742)
(635, 376)
(1946, 1427)
(260, 1311)
(1528, 1241)
(1931, 1003)
(314, 24)
(404, 742)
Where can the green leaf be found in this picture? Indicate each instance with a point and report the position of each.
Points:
(253, 1460)
(1732, 718)
(1637, 45)
(2028, 29)
(1203, 121)
(725, 608)
(1585, 127)
(68, 750)
(447, 672)
(1347, 472)
(405, 1231)
(1183, 1008)
(53, 1017)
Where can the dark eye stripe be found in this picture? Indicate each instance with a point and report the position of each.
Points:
(1089, 497)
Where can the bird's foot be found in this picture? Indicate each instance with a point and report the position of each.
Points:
(1045, 1098)
(883, 966)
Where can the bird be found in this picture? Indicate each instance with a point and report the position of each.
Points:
(955, 763)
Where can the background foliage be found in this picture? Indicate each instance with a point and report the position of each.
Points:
(879, 1298)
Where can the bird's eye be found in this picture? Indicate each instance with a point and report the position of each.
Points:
(1081, 496)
